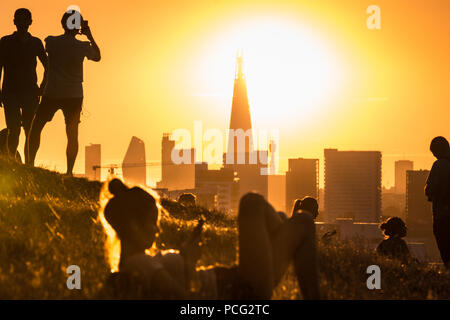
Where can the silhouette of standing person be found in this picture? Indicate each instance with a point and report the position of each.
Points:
(20, 93)
(64, 89)
(437, 190)
(394, 246)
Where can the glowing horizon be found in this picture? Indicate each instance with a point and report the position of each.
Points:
(332, 82)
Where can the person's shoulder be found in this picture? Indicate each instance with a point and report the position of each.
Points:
(54, 38)
(7, 38)
(111, 202)
(50, 39)
(445, 161)
(172, 256)
(403, 242)
(386, 244)
(36, 39)
(141, 193)
(441, 163)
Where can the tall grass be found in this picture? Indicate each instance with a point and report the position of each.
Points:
(49, 222)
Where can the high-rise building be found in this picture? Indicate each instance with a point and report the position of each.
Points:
(134, 165)
(250, 165)
(401, 167)
(302, 179)
(240, 117)
(176, 176)
(418, 209)
(352, 185)
(277, 191)
(222, 184)
(92, 162)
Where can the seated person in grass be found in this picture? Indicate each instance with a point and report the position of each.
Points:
(267, 244)
(187, 199)
(307, 203)
(133, 216)
(310, 204)
(394, 246)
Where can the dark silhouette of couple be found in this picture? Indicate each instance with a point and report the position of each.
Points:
(61, 87)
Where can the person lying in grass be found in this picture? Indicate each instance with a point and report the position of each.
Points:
(267, 245)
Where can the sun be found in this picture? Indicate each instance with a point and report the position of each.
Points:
(290, 71)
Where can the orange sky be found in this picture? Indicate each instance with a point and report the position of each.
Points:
(163, 65)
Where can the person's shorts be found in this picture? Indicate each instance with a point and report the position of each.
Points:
(19, 108)
(71, 108)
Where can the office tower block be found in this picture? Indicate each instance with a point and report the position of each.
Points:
(401, 167)
(134, 164)
(302, 179)
(352, 185)
(92, 162)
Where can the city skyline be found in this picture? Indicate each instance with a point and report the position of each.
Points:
(378, 95)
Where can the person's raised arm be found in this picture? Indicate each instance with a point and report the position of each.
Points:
(94, 55)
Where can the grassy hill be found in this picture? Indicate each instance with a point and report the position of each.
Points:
(48, 222)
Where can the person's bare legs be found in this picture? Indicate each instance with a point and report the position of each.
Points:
(13, 122)
(72, 145)
(34, 139)
(267, 245)
(27, 119)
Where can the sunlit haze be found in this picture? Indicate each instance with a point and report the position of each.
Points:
(314, 72)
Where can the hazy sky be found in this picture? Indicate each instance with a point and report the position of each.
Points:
(314, 71)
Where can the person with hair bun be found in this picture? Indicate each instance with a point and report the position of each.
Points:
(133, 214)
(307, 203)
(394, 246)
(267, 246)
(187, 199)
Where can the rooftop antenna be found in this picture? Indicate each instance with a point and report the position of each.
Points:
(239, 64)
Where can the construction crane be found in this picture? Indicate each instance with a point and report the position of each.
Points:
(112, 167)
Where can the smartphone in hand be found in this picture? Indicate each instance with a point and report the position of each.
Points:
(84, 27)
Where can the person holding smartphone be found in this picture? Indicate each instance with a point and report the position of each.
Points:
(64, 88)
